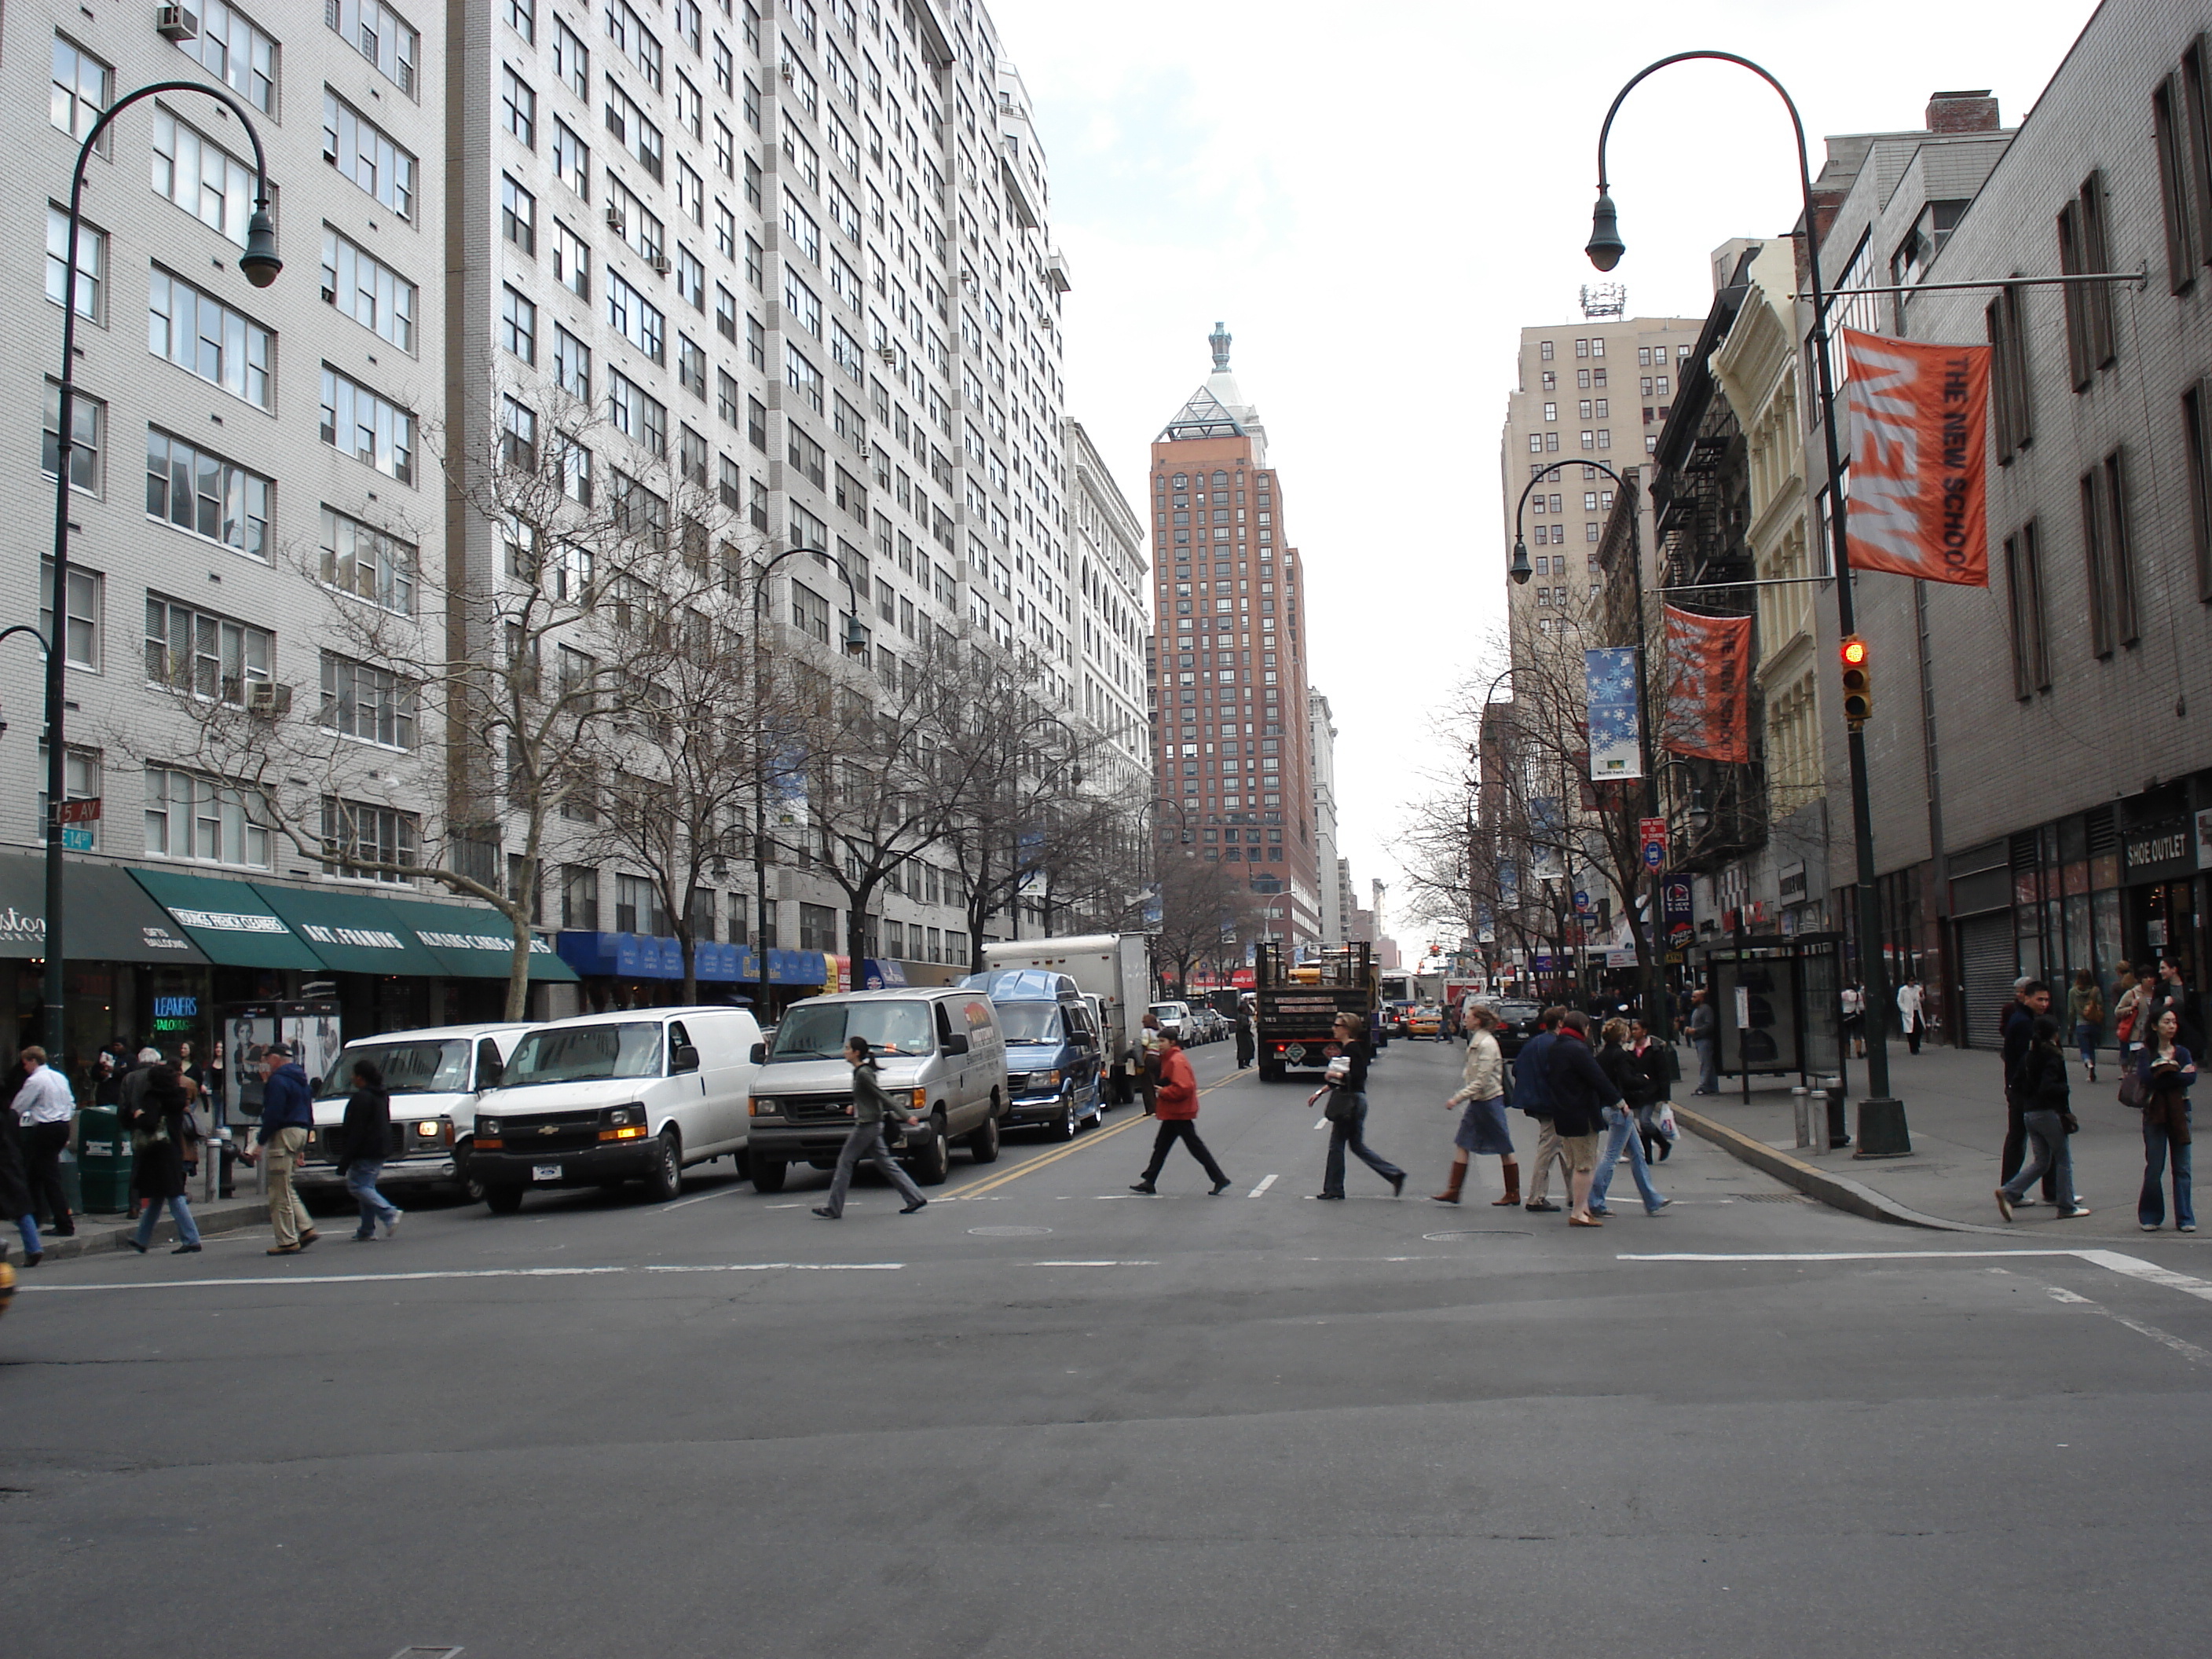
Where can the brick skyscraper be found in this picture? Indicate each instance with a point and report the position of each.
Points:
(1227, 662)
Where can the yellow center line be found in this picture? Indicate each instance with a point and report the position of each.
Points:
(1093, 1140)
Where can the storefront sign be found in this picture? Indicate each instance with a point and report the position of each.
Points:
(2168, 848)
(1674, 897)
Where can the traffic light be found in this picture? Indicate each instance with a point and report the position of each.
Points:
(1858, 681)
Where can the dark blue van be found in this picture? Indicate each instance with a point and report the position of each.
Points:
(1052, 1049)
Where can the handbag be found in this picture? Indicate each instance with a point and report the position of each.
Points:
(2131, 1088)
(2126, 1028)
(2071, 1123)
(1343, 1106)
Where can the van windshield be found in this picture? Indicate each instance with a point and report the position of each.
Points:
(1031, 1021)
(437, 1065)
(817, 1030)
(586, 1054)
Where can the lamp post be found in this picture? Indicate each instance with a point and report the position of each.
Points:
(1014, 903)
(1882, 1131)
(856, 641)
(260, 263)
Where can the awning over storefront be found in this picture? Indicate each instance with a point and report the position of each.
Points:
(473, 941)
(353, 932)
(109, 917)
(644, 956)
(229, 919)
(879, 973)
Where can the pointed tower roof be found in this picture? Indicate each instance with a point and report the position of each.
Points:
(1217, 409)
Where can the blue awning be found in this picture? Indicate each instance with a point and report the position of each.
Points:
(880, 973)
(645, 956)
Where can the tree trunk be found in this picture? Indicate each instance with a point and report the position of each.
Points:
(518, 967)
(690, 964)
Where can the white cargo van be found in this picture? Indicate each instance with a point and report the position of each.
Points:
(1114, 968)
(614, 1097)
(435, 1077)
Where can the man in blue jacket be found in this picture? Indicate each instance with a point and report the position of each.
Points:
(1532, 1094)
(288, 1120)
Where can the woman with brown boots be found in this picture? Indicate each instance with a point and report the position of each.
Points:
(1482, 1127)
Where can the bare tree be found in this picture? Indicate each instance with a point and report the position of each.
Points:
(1200, 900)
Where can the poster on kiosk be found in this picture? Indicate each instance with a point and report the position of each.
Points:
(312, 1029)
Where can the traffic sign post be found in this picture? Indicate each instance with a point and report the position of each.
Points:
(1652, 832)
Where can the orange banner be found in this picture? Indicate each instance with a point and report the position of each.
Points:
(1708, 686)
(1918, 500)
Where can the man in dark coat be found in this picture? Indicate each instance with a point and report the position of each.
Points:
(1532, 1095)
(873, 1111)
(1243, 1037)
(2031, 1000)
(288, 1120)
(1580, 1092)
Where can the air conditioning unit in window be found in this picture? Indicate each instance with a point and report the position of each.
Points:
(661, 264)
(267, 700)
(615, 220)
(786, 70)
(175, 23)
(888, 354)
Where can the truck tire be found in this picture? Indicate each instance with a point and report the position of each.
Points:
(503, 1199)
(983, 1144)
(934, 1162)
(664, 1181)
(768, 1174)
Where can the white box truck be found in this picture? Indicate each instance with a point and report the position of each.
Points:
(1115, 970)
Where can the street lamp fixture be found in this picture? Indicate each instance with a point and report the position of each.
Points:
(1882, 1131)
(259, 261)
(1521, 569)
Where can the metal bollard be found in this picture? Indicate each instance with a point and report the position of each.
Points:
(1811, 1130)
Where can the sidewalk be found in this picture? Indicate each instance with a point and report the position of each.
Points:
(96, 1233)
(1955, 1107)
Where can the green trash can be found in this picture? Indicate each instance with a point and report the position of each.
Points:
(103, 1156)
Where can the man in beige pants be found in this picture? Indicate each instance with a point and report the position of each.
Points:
(288, 1119)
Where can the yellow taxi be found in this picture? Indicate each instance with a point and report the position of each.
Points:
(1425, 1021)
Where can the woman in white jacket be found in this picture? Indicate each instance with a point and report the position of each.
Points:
(1482, 1127)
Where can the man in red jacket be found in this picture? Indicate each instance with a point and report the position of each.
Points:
(1177, 1108)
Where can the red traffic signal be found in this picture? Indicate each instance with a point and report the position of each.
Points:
(1858, 681)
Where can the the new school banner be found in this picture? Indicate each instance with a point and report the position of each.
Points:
(1708, 686)
(1918, 500)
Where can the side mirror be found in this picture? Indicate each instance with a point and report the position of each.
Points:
(489, 1072)
(758, 1055)
(686, 1058)
(955, 1044)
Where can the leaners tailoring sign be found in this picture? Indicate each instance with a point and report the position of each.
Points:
(1919, 417)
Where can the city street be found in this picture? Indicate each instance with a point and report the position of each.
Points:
(1048, 1417)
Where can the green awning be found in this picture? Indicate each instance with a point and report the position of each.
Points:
(108, 919)
(352, 931)
(473, 941)
(229, 919)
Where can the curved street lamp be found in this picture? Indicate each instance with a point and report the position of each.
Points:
(1520, 569)
(856, 641)
(260, 265)
(1886, 1134)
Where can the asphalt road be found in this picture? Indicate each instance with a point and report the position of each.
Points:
(1049, 1418)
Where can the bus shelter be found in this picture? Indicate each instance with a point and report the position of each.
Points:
(1778, 1004)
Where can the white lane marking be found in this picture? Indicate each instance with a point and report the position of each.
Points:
(2136, 1268)
(684, 1203)
(1263, 1185)
(481, 1272)
(2186, 1350)
(1094, 1264)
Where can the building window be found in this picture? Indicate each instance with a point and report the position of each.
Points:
(572, 59)
(81, 640)
(358, 422)
(2030, 652)
(638, 909)
(190, 817)
(368, 563)
(2197, 419)
(817, 927)
(358, 837)
(367, 290)
(2084, 246)
(2012, 412)
(2179, 182)
(518, 102)
(201, 492)
(636, 318)
(209, 656)
(2105, 532)
(522, 18)
(363, 153)
(381, 35)
(205, 336)
(579, 898)
(81, 87)
(1590, 440)
(91, 264)
(571, 159)
(373, 704)
(235, 52)
(572, 261)
(518, 327)
(636, 413)
(87, 428)
(572, 365)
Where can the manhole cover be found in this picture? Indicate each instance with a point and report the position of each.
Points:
(1009, 1232)
(1773, 1198)
(1478, 1232)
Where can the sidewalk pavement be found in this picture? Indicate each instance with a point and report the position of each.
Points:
(96, 1233)
(1955, 1107)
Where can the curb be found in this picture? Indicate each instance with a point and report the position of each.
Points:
(225, 1216)
(1835, 1191)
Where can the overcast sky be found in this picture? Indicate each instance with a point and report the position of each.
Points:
(1377, 199)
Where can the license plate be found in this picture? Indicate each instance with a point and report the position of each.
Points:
(544, 1172)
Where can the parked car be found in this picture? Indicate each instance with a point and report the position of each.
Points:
(1053, 1048)
(1517, 1024)
(615, 1098)
(1175, 1017)
(939, 1048)
(435, 1076)
(1206, 1023)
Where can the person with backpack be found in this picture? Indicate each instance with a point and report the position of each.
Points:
(2040, 1086)
(2085, 1017)
(156, 1118)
